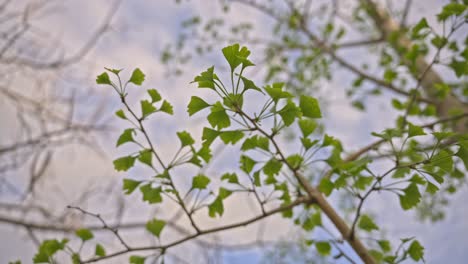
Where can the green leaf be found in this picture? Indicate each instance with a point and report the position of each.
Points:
(200, 182)
(276, 92)
(439, 41)
(124, 163)
(150, 194)
(99, 250)
(137, 260)
(422, 24)
(196, 104)
(205, 153)
(84, 234)
(230, 177)
(247, 164)
(146, 157)
(137, 77)
(307, 143)
(311, 222)
(130, 185)
(431, 188)
(155, 226)
(127, 136)
(155, 96)
(231, 136)
(459, 67)
(255, 142)
(103, 79)
(310, 107)
(166, 107)
(411, 197)
(114, 71)
(218, 117)
(415, 131)
(326, 186)
(236, 55)
(209, 135)
(206, 79)
(120, 113)
(295, 161)
(307, 126)
(47, 249)
(390, 75)
(289, 113)
(185, 138)
(452, 9)
(363, 181)
(385, 245)
(249, 85)
(462, 152)
(323, 248)
(146, 108)
(216, 207)
(443, 160)
(367, 224)
(272, 167)
(416, 251)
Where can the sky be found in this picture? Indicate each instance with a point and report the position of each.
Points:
(139, 32)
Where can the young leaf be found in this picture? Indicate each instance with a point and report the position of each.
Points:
(155, 96)
(367, 224)
(127, 136)
(411, 197)
(137, 260)
(166, 107)
(462, 152)
(249, 84)
(323, 248)
(47, 249)
(272, 167)
(137, 77)
(103, 79)
(415, 130)
(443, 160)
(200, 182)
(150, 194)
(124, 163)
(295, 161)
(146, 157)
(416, 251)
(247, 163)
(130, 185)
(385, 245)
(99, 250)
(185, 138)
(206, 79)
(307, 126)
(236, 55)
(231, 136)
(276, 92)
(196, 104)
(230, 177)
(326, 186)
(84, 234)
(114, 71)
(147, 108)
(218, 117)
(209, 135)
(289, 113)
(155, 226)
(310, 107)
(216, 207)
(120, 113)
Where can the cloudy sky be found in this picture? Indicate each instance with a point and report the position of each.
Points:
(140, 31)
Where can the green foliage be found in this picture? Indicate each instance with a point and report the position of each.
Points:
(137, 77)
(367, 224)
(84, 234)
(155, 226)
(200, 182)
